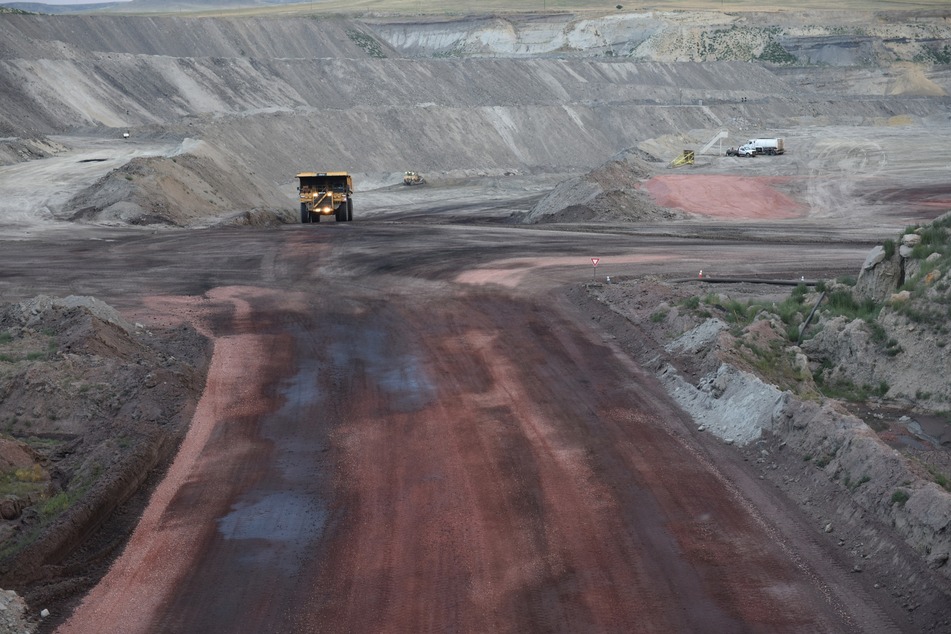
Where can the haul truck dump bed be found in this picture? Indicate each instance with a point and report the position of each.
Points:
(325, 194)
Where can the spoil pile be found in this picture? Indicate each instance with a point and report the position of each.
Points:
(90, 405)
(609, 193)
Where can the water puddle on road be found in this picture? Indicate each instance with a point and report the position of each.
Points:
(399, 375)
(302, 390)
(285, 513)
(283, 516)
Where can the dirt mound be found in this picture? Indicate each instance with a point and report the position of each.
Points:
(609, 193)
(16, 150)
(91, 405)
(197, 184)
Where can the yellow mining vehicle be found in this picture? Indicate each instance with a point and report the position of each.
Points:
(325, 194)
(684, 159)
(412, 178)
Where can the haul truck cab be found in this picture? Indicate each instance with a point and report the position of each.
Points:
(325, 194)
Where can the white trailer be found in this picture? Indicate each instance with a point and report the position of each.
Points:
(765, 146)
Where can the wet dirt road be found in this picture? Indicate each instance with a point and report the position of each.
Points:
(392, 440)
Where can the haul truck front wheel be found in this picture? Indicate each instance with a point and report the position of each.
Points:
(304, 214)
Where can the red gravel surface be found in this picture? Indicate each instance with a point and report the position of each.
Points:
(725, 196)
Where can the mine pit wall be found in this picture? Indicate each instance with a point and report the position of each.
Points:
(740, 409)
(89, 514)
(279, 92)
(66, 37)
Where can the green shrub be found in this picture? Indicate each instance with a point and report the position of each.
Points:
(842, 302)
(369, 45)
(774, 53)
(941, 479)
(899, 497)
(55, 505)
(736, 312)
(659, 316)
(692, 302)
(878, 332)
(889, 246)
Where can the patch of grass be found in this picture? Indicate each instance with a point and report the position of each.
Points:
(879, 335)
(889, 246)
(899, 497)
(846, 280)
(6, 358)
(691, 303)
(369, 45)
(55, 505)
(46, 445)
(942, 480)
(774, 53)
(23, 481)
(841, 302)
(5, 337)
(924, 314)
(940, 56)
(659, 316)
(736, 312)
(30, 474)
(892, 348)
(845, 390)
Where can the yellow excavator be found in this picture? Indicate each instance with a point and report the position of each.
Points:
(325, 194)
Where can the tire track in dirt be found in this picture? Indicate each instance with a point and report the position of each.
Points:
(179, 521)
(530, 489)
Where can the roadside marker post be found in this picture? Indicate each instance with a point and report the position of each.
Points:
(594, 269)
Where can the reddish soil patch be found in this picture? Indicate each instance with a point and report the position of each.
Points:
(722, 196)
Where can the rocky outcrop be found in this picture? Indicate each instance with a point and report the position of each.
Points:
(880, 275)
(840, 470)
(902, 352)
(740, 408)
(14, 612)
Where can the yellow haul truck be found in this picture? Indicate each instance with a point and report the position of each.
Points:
(325, 194)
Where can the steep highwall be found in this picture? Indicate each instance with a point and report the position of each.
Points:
(828, 461)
